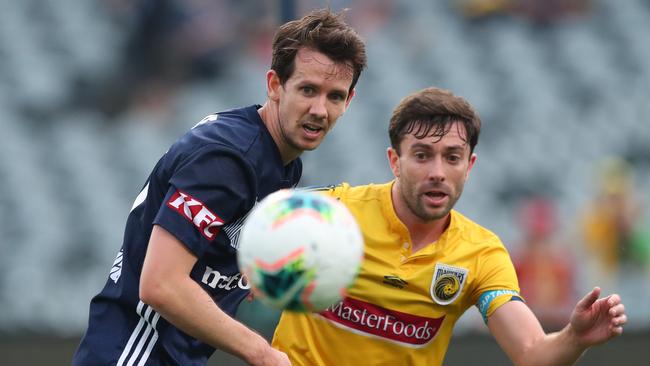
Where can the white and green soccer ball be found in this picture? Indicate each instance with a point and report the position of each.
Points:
(300, 250)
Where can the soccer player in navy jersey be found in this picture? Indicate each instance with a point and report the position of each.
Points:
(174, 287)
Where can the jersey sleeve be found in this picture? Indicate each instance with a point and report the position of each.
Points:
(497, 281)
(211, 187)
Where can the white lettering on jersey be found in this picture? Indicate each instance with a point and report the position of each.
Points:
(215, 279)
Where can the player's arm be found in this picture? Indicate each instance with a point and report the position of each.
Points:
(166, 286)
(521, 336)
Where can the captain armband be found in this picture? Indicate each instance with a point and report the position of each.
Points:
(487, 298)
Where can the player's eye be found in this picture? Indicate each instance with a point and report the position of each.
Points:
(454, 159)
(337, 97)
(420, 155)
(308, 90)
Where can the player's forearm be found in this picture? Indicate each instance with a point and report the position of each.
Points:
(554, 349)
(522, 337)
(165, 284)
(191, 309)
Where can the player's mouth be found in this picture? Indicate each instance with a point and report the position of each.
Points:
(436, 197)
(312, 130)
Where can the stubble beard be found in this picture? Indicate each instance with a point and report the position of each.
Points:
(415, 203)
(293, 141)
(288, 139)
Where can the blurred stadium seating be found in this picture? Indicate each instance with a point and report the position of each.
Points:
(555, 98)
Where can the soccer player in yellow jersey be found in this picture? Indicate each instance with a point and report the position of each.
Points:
(425, 263)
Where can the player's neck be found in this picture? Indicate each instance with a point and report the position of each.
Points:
(270, 116)
(424, 233)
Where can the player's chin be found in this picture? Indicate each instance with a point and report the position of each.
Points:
(438, 212)
(310, 144)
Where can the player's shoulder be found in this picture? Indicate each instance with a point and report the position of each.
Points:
(368, 192)
(472, 232)
(348, 193)
(236, 132)
(238, 128)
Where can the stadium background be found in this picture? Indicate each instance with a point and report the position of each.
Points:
(93, 92)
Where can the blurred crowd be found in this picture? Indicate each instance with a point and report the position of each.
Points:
(538, 11)
(606, 243)
(169, 43)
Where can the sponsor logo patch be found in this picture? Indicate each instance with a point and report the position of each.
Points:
(196, 212)
(447, 283)
(370, 320)
(395, 281)
(206, 119)
(216, 280)
(116, 269)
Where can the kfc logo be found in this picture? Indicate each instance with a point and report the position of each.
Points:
(196, 212)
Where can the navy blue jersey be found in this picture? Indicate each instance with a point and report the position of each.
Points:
(200, 191)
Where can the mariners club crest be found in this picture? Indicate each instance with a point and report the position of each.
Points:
(447, 283)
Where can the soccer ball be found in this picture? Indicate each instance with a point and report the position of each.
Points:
(300, 250)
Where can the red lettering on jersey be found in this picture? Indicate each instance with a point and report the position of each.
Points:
(365, 318)
(193, 210)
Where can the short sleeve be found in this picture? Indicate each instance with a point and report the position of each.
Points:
(497, 281)
(209, 188)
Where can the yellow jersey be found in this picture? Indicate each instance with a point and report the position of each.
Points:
(403, 306)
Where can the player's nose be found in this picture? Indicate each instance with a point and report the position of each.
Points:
(436, 170)
(318, 108)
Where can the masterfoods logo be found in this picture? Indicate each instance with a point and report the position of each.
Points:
(394, 326)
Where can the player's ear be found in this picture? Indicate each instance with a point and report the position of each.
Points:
(347, 102)
(472, 160)
(393, 160)
(273, 85)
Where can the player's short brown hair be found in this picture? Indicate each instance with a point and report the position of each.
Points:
(323, 31)
(431, 112)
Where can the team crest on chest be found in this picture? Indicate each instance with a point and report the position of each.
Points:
(447, 283)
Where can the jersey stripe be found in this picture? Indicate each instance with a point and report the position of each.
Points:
(141, 334)
(151, 343)
(143, 338)
(233, 229)
(133, 337)
(141, 197)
